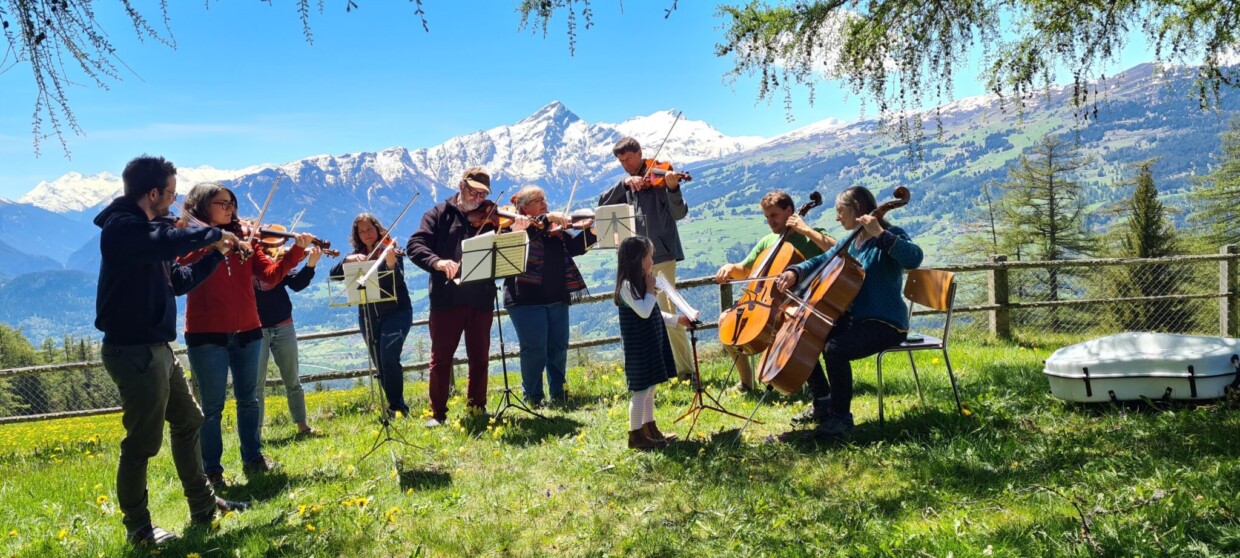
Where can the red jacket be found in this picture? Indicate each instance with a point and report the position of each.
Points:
(224, 302)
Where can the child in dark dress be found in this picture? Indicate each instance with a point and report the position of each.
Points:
(648, 357)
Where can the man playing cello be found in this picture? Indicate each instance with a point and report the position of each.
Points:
(780, 213)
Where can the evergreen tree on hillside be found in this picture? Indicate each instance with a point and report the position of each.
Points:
(1147, 234)
(24, 394)
(1043, 212)
(1218, 194)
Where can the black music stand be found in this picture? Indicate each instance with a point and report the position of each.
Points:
(700, 395)
(506, 258)
(362, 292)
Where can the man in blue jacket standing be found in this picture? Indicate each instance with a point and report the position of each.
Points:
(135, 308)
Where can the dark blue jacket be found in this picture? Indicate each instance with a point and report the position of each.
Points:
(139, 278)
(274, 305)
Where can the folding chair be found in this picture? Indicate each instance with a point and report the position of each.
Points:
(934, 289)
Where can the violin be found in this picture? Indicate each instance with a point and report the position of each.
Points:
(579, 220)
(657, 171)
(387, 242)
(488, 213)
(275, 236)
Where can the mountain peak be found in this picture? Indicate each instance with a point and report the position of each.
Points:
(554, 111)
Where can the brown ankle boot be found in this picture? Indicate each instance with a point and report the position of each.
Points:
(639, 441)
(653, 433)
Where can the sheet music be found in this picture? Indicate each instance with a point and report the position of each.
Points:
(373, 292)
(615, 223)
(677, 300)
(508, 250)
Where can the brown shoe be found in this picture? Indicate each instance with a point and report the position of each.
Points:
(653, 433)
(639, 441)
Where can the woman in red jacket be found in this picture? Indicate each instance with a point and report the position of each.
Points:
(223, 332)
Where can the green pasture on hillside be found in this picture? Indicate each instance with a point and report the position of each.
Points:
(1019, 473)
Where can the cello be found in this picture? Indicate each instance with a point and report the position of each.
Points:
(813, 311)
(750, 324)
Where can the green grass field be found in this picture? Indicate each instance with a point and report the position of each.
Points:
(1018, 474)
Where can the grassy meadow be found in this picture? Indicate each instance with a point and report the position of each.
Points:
(1019, 473)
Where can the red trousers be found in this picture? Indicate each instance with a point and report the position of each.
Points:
(446, 327)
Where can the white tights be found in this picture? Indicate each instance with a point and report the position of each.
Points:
(641, 408)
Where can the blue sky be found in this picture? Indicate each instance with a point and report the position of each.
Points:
(243, 87)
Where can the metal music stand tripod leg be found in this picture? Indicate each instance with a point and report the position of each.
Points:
(700, 395)
(507, 398)
(387, 433)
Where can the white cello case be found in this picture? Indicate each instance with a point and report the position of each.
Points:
(1134, 366)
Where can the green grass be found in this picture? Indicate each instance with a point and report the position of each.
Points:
(1020, 474)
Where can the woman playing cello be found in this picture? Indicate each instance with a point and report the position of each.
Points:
(877, 318)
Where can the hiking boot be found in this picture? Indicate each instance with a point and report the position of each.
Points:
(639, 441)
(835, 425)
(151, 535)
(216, 478)
(222, 506)
(814, 412)
(259, 466)
(653, 433)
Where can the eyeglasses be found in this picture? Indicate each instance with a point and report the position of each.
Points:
(225, 204)
(475, 192)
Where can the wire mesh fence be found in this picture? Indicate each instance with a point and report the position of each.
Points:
(1078, 299)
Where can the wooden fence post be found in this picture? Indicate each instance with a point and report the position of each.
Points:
(1000, 319)
(1229, 301)
(725, 297)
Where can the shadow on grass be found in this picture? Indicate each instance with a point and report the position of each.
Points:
(424, 479)
(527, 430)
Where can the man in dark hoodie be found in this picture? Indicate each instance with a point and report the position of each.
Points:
(135, 308)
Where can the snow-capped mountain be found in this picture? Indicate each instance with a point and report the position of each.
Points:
(75, 192)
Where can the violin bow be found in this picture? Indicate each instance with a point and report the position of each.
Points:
(258, 223)
(296, 220)
(361, 281)
(572, 192)
(665, 136)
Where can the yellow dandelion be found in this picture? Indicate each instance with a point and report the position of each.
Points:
(301, 509)
(310, 528)
(410, 490)
(193, 555)
(13, 533)
(495, 453)
(400, 414)
(62, 534)
(935, 360)
(967, 413)
(101, 500)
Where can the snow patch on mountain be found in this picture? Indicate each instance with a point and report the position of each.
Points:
(77, 192)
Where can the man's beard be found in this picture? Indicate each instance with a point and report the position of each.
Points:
(466, 205)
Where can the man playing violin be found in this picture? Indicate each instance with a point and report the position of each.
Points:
(781, 215)
(139, 280)
(656, 209)
(456, 309)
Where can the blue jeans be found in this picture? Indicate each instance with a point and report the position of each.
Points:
(385, 343)
(542, 331)
(210, 364)
(280, 342)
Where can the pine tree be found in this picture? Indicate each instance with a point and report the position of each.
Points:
(1043, 213)
(1147, 234)
(1218, 194)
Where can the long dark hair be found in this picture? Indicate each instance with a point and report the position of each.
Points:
(629, 266)
(359, 247)
(198, 204)
(862, 201)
